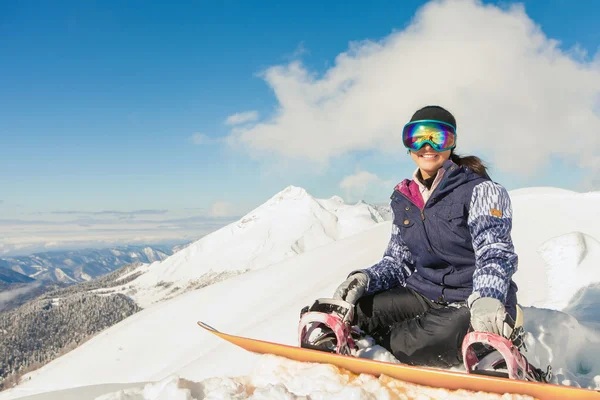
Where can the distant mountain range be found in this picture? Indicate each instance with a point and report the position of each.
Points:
(26, 277)
(9, 276)
(76, 266)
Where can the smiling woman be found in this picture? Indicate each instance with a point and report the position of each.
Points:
(449, 264)
(431, 138)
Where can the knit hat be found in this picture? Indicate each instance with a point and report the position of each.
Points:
(434, 112)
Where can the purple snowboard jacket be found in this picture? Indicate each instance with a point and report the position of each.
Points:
(457, 244)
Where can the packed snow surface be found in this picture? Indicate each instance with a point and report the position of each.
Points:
(161, 353)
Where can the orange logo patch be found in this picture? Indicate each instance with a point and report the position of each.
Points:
(496, 213)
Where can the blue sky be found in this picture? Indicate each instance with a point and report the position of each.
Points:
(100, 102)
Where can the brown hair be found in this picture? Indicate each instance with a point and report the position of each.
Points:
(472, 162)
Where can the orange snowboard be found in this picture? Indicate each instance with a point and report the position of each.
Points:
(418, 375)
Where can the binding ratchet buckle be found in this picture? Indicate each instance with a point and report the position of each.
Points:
(334, 314)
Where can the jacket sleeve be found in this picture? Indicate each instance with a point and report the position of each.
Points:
(490, 224)
(394, 268)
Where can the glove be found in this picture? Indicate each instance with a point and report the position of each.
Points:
(352, 288)
(487, 315)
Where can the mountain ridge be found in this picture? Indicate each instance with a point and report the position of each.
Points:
(72, 266)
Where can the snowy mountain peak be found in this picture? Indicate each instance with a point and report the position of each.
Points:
(337, 199)
(289, 193)
(289, 223)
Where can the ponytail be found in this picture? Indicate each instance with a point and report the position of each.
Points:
(472, 162)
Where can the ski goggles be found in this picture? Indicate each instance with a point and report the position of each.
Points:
(440, 135)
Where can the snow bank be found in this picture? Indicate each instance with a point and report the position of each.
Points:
(568, 345)
(277, 378)
(538, 219)
(572, 262)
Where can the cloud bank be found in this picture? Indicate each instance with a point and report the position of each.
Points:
(241, 118)
(516, 95)
(9, 295)
(221, 209)
(112, 212)
(356, 186)
(63, 230)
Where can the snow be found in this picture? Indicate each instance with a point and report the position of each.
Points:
(61, 276)
(573, 260)
(290, 223)
(540, 218)
(162, 353)
(541, 191)
(278, 378)
(152, 255)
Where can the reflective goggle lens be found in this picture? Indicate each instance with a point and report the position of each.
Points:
(439, 135)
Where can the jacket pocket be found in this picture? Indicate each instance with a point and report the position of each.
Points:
(452, 212)
(402, 219)
(405, 222)
(453, 228)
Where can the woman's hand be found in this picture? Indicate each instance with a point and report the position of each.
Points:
(487, 315)
(352, 288)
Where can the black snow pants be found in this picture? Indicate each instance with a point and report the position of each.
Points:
(414, 329)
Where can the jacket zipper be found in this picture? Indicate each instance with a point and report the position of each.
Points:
(425, 203)
(423, 209)
(414, 204)
(441, 299)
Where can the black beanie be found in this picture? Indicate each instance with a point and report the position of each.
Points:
(434, 112)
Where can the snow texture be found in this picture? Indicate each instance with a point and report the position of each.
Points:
(161, 353)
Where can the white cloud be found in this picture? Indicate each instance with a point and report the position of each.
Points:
(355, 186)
(300, 51)
(221, 209)
(515, 94)
(57, 232)
(9, 295)
(242, 118)
(200, 139)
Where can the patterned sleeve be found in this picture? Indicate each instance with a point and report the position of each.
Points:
(395, 267)
(490, 224)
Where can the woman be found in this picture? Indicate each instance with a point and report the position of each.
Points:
(450, 260)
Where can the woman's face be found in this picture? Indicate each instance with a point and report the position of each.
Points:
(428, 160)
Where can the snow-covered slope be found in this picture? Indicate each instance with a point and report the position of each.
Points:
(542, 214)
(163, 344)
(572, 260)
(164, 338)
(288, 224)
